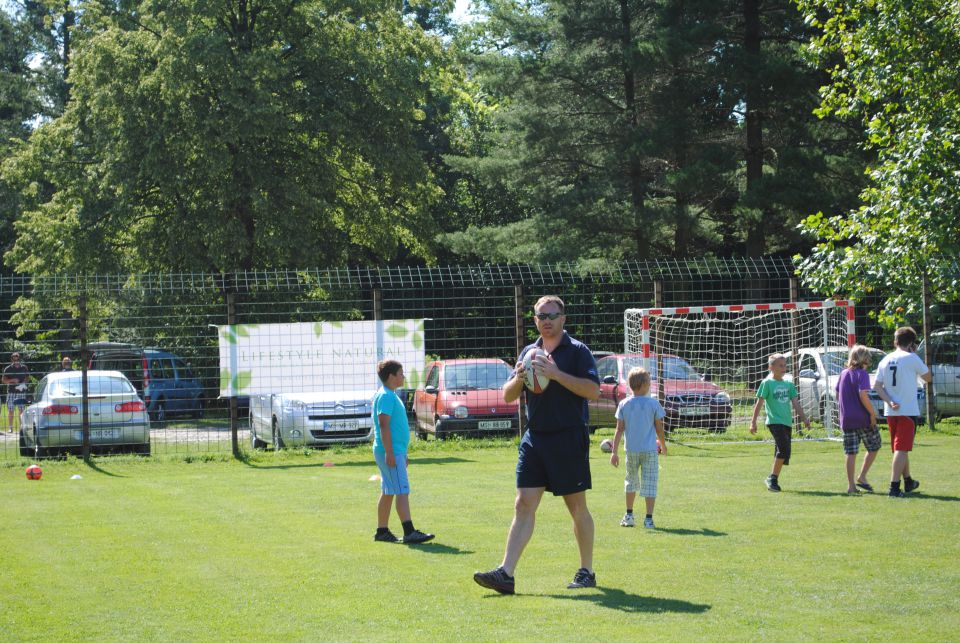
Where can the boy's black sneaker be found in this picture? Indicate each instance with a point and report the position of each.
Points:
(896, 493)
(385, 537)
(497, 580)
(582, 579)
(416, 537)
(772, 484)
(910, 485)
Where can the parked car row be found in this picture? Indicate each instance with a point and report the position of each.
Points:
(129, 386)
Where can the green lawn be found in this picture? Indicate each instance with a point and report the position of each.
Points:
(280, 546)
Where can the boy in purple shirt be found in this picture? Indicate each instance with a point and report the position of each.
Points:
(857, 417)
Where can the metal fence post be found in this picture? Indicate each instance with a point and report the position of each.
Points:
(85, 364)
(234, 419)
(520, 342)
(927, 328)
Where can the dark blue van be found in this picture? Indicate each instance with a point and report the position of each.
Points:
(165, 381)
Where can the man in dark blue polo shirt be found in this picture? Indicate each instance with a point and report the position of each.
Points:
(554, 452)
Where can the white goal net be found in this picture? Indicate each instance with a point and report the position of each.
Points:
(711, 359)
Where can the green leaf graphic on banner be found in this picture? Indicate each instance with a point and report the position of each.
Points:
(413, 379)
(243, 329)
(317, 329)
(337, 324)
(243, 380)
(225, 380)
(228, 335)
(417, 340)
(397, 331)
(419, 326)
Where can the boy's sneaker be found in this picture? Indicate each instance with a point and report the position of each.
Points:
(627, 521)
(910, 485)
(386, 537)
(416, 537)
(497, 580)
(648, 523)
(582, 579)
(772, 484)
(896, 493)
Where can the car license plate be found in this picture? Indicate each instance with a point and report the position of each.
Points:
(341, 425)
(493, 424)
(695, 410)
(98, 434)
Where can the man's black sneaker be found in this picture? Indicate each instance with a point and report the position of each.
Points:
(583, 578)
(896, 493)
(772, 484)
(497, 580)
(386, 537)
(910, 485)
(416, 537)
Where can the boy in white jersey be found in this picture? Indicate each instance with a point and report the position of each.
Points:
(896, 384)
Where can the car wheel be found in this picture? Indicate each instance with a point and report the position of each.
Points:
(255, 442)
(437, 431)
(823, 408)
(198, 412)
(277, 439)
(143, 449)
(25, 451)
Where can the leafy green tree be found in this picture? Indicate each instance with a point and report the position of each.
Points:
(228, 135)
(898, 80)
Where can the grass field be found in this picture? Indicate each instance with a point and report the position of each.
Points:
(280, 547)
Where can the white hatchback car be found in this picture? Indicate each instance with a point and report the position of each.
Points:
(944, 363)
(54, 421)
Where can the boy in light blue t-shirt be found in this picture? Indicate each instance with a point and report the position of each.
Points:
(390, 440)
(640, 419)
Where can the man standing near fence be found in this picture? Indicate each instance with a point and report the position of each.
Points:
(554, 452)
(15, 377)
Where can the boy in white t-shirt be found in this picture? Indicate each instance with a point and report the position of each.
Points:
(896, 384)
(640, 418)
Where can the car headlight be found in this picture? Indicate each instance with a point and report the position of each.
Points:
(722, 397)
(460, 412)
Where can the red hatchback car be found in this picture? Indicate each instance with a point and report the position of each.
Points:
(689, 399)
(464, 396)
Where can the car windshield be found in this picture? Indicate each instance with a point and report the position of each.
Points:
(476, 376)
(674, 368)
(836, 361)
(96, 385)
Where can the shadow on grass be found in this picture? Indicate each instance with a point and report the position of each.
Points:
(919, 495)
(622, 601)
(92, 464)
(692, 532)
(359, 463)
(433, 547)
(831, 494)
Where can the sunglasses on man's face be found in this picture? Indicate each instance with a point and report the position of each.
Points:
(550, 316)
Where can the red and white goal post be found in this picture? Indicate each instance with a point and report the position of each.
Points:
(713, 358)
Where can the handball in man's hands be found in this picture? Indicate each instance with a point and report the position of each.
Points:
(534, 381)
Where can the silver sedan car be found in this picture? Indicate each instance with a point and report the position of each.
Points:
(54, 421)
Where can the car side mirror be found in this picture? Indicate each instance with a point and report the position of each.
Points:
(810, 374)
(707, 377)
(431, 389)
(609, 379)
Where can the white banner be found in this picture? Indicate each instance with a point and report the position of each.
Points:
(316, 357)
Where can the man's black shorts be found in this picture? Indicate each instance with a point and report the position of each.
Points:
(559, 462)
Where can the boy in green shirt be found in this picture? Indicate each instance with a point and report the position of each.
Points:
(777, 395)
